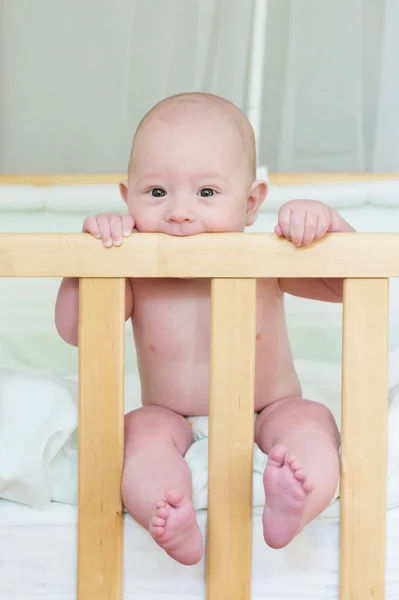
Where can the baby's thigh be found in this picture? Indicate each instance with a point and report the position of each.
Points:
(155, 425)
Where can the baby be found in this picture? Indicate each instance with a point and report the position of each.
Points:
(192, 170)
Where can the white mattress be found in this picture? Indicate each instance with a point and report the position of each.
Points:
(38, 560)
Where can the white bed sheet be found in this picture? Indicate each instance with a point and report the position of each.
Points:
(38, 560)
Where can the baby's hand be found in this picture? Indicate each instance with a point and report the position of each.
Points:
(304, 221)
(111, 228)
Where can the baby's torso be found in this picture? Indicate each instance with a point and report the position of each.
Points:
(171, 323)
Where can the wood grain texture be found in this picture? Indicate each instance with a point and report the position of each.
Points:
(231, 439)
(45, 180)
(100, 438)
(242, 255)
(364, 439)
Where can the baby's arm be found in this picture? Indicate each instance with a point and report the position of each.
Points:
(303, 222)
(110, 229)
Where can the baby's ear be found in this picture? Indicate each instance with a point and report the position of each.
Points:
(123, 189)
(256, 196)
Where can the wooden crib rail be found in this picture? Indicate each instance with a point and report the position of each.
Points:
(100, 438)
(249, 255)
(364, 454)
(231, 438)
(46, 180)
(233, 261)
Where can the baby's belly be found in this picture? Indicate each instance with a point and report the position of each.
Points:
(186, 392)
(178, 387)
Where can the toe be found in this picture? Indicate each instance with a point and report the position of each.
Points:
(157, 532)
(290, 459)
(296, 466)
(161, 504)
(307, 487)
(174, 497)
(162, 513)
(156, 527)
(277, 455)
(300, 475)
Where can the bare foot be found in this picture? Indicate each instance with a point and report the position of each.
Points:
(287, 490)
(174, 527)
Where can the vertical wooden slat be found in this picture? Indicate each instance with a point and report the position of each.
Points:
(364, 439)
(100, 452)
(231, 438)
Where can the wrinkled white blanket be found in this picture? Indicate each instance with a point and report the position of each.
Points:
(38, 441)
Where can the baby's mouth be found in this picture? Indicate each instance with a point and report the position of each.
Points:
(183, 232)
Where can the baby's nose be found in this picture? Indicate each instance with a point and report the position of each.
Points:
(178, 213)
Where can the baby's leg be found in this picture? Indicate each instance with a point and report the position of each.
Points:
(302, 473)
(156, 482)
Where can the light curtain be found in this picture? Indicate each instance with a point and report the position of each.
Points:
(76, 78)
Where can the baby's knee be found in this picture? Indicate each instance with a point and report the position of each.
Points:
(142, 419)
(317, 411)
(319, 418)
(156, 425)
(297, 413)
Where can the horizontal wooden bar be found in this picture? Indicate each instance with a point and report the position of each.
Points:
(63, 179)
(240, 255)
(114, 178)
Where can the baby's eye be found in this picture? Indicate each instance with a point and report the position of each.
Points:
(158, 193)
(207, 192)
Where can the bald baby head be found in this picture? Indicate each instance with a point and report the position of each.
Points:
(194, 109)
(192, 168)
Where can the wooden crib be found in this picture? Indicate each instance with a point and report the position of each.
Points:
(233, 262)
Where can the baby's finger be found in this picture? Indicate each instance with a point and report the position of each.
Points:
(297, 226)
(127, 225)
(284, 218)
(278, 231)
(90, 226)
(104, 228)
(323, 226)
(311, 221)
(116, 229)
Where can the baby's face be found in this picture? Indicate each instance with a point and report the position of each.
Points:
(189, 179)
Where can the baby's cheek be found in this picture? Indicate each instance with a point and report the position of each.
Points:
(144, 227)
(226, 226)
(144, 221)
(227, 221)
